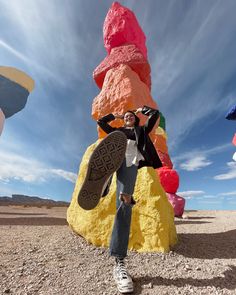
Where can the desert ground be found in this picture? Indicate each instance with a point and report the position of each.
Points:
(39, 254)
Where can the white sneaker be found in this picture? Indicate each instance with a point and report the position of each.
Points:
(122, 278)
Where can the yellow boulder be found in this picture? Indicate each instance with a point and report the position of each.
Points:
(152, 225)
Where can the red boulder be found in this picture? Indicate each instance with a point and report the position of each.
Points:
(121, 27)
(169, 179)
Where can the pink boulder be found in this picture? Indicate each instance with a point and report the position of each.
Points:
(121, 27)
(128, 55)
(2, 119)
(177, 203)
(169, 179)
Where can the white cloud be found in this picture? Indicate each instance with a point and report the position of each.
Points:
(13, 51)
(51, 38)
(28, 170)
(30, 62)
(185, 75)
(70, 176)
(196, 163)
(204, 153)
(209, 197)
(190, 194)
(210, 201)
(197, 159)
(231, 174)
(233, 193)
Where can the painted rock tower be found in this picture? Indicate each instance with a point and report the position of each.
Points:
(15, 87)
(124, 77)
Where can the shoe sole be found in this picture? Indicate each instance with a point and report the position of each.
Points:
(104, 161)
(125, 290)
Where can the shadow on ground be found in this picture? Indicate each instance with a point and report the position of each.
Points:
(36, 221)
(180, 222)
(31, 214)
(200, 217)
(227, 280)
(207, 246)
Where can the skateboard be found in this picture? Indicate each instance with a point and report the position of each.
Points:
(104, 161)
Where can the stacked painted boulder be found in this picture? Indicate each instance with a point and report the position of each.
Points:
(169, 179)
(124, 77)
(15, 87)
(231, 115)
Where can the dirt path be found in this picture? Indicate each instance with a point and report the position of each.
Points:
(40, 255)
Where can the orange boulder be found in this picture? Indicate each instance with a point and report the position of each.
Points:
(129, 55)
(159, 142)
(122, 90)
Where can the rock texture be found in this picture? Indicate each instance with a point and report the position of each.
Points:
(122, 90)
(177, 203)
(159, 142)
(152, 227)
(165, 159)
(169, 179)
(121, 27)
(128, 55)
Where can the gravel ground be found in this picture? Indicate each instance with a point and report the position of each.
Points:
(39, 254)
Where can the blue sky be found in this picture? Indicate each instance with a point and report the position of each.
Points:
(191, 49)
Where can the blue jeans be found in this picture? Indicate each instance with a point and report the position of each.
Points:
(126, 178)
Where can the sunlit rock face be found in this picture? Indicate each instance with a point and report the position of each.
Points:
(121, 27)
(125, 83)
(128, 55)
(152, 226)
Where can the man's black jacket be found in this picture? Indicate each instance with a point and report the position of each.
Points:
(144, 143)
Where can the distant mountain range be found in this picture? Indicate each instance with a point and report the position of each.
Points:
(31, 201)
